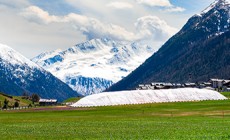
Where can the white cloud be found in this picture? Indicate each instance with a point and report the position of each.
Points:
(175, 9)
(120, 5)
(152, 27)
(162, 3)
(148, 27)
(93, 28)
(36, 14)
(15, 4)
(39, 31)
(90, 27)
(31, 39)
(166, 4)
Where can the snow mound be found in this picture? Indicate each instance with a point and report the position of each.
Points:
(148, 96)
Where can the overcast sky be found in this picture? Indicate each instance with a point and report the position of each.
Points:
(35, 26)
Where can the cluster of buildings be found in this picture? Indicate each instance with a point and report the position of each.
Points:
(213, 84)
(48, 102)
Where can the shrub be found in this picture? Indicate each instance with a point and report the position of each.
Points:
(16, 104)
(35, 98)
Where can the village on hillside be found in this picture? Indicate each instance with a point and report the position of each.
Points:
(212, 84)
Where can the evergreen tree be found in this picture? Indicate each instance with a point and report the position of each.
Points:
(5, 106)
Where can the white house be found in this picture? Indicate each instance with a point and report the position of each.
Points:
(218, 83)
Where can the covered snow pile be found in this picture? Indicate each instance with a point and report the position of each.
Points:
(148, 96)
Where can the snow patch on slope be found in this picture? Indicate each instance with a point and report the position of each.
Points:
(88, 85)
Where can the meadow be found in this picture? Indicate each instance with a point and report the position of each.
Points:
(185, 120)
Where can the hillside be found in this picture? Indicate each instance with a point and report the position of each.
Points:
(200, 49)
(13, 99)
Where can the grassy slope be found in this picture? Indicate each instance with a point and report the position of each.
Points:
(23, 102)
(226, 94)
(193, 120)
(74, 99)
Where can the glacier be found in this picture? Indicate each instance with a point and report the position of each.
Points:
(148, 96)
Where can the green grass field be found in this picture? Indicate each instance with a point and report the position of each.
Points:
(188, 120)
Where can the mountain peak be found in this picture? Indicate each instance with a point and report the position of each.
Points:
(214, 20)
(224, 1)
(7, 54)
(217, 4)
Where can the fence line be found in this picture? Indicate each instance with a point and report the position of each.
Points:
(15, 108)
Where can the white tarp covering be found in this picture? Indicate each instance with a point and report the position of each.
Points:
(148, 96)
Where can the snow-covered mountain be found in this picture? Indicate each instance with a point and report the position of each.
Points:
(18, 74)
(93, 66)
(214, 20)
(216, 6)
